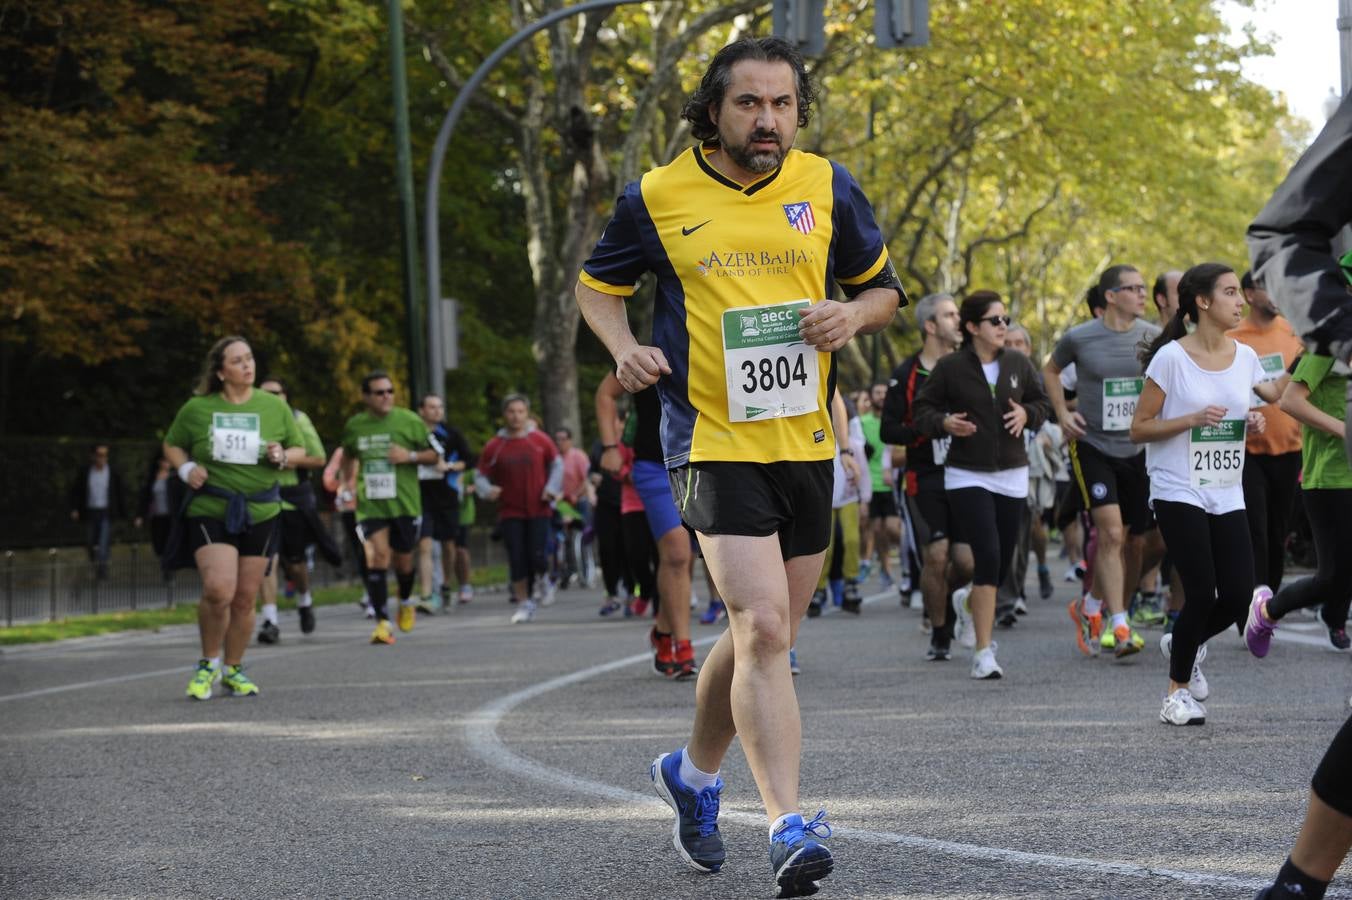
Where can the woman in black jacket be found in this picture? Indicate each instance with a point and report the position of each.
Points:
(984, 396)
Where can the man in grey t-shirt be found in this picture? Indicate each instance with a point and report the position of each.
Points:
(1108, 467)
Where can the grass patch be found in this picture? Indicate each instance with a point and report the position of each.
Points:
(155, 619)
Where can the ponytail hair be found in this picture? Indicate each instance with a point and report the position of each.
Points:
(1199, 281)
(209, 382)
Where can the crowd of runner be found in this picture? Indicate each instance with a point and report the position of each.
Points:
(1165, 442)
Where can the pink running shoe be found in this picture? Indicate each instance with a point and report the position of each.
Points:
(1258, 629)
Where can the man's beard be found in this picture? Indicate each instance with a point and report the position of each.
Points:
(758, 161)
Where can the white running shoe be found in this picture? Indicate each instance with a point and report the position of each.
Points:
(466, 594)
(984, 666)
(963, 632)
(1020, 607)
(1198, 686)
(547, 591)
(1181, 709)
(525, 612)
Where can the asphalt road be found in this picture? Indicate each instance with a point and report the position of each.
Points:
(479, 759)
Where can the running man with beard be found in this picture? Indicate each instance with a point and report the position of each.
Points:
(745, 236)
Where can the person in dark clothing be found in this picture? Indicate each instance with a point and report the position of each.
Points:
(1295, 238)
(96, 498)
(160, 499)
(983, 397)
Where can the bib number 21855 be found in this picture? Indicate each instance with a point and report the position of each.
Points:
(770, 372)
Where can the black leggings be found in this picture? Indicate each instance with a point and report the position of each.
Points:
(609, 532)
(641, 551)
(1329, 511)
(526, 541)
(1214, 560)
(1269, 488)
(1333, 779)
(990, 522)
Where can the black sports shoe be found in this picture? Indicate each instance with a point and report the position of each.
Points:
(307, 619)
(850, 601)
(269, 633)
(695, 833)
(940, 649)
(798, 860)
(814, 606)
(1339, 639)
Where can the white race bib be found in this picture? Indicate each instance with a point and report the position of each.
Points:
(1216, 454)
(428, 473)
(379, 476)
(1119, 402)
(771, 372)
(1273, 367)
(235, 438)
(941, 449)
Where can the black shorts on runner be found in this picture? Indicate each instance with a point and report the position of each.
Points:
(1107, 481)
(440, 524)
(1069, 504)
(296, 535)
(403, 532)
(790, 499)
(256, 540)
(931, 518)
(882, 505)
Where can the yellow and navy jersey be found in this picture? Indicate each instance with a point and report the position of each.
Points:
(722, 253)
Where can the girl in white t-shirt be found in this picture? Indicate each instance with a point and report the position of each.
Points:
(1193, 415)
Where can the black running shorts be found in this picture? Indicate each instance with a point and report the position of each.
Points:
(931, 518)
(257, 540)
(788, 499)
(882, 505)
(1109, 481)
(403, 532)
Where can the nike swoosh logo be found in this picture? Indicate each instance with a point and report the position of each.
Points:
(689, 231)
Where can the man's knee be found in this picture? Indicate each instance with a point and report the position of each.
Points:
(764, 631)
(1111, 536)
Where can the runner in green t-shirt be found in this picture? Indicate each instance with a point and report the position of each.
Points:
(228, 443)
(1316, 397)
(384, 444)
(882, 528)
(300, 526)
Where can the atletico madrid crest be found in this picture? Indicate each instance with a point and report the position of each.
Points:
(800, 216)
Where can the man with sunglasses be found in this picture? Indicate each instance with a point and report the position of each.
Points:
(1108, 467)
(389, 443)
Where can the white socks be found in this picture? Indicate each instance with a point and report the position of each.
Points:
(1119, 619)
(1092, 605)
(215, 662)
(694, 778)
(305, 600)
(270, 612)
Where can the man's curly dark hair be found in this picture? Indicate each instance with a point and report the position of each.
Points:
(716, 78)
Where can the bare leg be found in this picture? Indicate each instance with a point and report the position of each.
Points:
(219, 567)
(424, 567)
(1324, 840)
(1108, 567)
(241, 626)
(982, 604)
(766, 597)
(934, 581)
(673, 583)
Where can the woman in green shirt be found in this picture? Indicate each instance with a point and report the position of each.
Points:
(1316, 397)
(228, 444)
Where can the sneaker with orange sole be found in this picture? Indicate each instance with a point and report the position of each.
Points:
(1087, 628)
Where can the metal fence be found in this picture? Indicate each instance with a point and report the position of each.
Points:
(61, 582)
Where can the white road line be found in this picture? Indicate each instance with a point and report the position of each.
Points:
(481, 731)
(137, 676)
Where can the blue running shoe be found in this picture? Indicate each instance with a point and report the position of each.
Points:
(695, 833)
(798, 860)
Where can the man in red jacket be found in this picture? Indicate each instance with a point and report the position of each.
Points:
(521, 470)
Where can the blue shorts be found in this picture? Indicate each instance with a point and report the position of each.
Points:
(654, 487)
